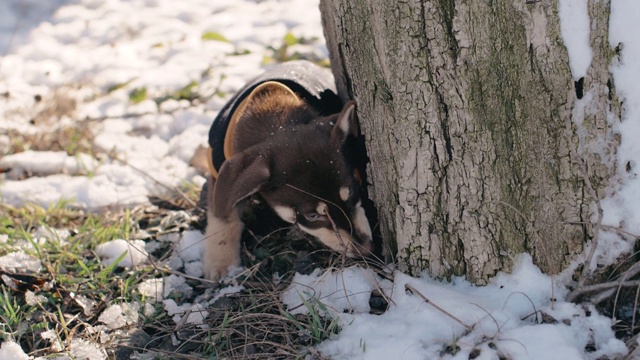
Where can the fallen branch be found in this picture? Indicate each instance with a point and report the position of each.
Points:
(144, 173)
(445, 312)
(600, 287)
(596, 230)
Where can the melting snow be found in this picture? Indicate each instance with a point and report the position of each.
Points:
(79, 49)
(11, 351)
(110, 251)
(119, 315)
(19, 261)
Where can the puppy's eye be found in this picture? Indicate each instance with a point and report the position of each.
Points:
(312, 216)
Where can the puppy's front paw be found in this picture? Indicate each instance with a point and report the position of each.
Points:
(221, 247)
(215, 267)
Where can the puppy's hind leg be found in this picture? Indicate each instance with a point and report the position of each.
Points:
(221, 241)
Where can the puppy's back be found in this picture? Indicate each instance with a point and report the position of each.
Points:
(268, 111)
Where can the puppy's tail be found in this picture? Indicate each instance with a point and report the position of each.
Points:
(200, 159)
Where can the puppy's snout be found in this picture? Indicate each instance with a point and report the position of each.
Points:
(363, 241)
(360, 244)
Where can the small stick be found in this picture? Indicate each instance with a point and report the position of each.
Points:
(596, 229)
(424, 298)
(618, 230)
(600, 287)
(142, 172)
(635, 307)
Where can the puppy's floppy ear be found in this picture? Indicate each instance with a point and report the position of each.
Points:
(240, 176)
(345, 123)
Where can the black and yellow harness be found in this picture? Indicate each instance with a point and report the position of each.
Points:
(306, 80)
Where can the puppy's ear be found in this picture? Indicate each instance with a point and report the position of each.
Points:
(345, 123)
(240, 176)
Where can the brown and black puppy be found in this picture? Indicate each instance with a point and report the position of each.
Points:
(283, 150)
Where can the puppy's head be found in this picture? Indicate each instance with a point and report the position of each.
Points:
(303, 176)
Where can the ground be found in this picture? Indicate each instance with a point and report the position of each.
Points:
(103, 104)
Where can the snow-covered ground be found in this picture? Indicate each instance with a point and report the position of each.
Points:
(93, 54)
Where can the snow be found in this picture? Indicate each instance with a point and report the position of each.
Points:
(196, 312)
(54, 340)
(83, 349)
(503, 314)
(575, 28)
(12, 351)
(119, 315)
(95, 53)
(621, 208)
(349, 289)
(42, 163)
(159, 288)
(85, 303)
(47, 233)
(110, 251)
(191, 246)
(19, 261)
(32, 299)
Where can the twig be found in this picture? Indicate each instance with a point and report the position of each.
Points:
(632, 271)
(445, 312)
(600, 287)
(632, 344)
(627, 274)
(617, 229)
(170, 188)
(533, 306)
(186, 276)
(600, 297)
(492, 318)
(553, 294)
(596, 230)
(635, 307)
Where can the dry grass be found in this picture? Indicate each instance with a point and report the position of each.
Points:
(615, 291)
(251, 324)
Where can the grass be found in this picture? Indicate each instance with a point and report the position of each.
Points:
(284, 52)
(44, 311)
(251, 324)
(71, 139)
(71, 271)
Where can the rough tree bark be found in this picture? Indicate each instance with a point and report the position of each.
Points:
(466, 107)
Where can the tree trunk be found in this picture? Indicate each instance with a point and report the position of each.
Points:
(466, 108)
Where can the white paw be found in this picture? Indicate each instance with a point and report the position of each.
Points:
(221, 247)
(216, 268)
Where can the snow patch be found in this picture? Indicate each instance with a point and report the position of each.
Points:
(19, 261)
(32, 299)
(340, 291)
(195, 312)
(502, 313)
(83, 349)
(10, 350)
(53, 339)
(43, 163)
(158, 289)
(110, 251)
(119, 315)
(191, 246)
(575, 28)
(622, 209)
